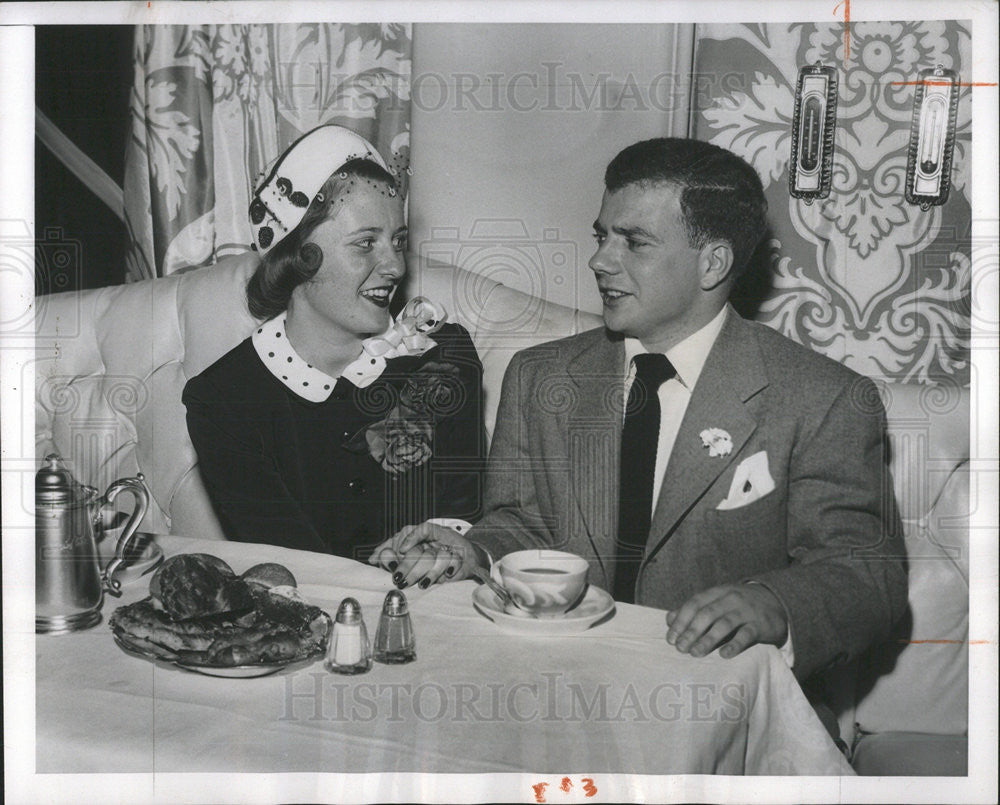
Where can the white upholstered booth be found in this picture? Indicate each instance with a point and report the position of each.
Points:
(111, 364)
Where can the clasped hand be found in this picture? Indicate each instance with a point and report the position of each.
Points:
(735, 616)
(424, 554)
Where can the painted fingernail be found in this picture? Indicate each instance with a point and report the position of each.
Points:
(397, 578)
(400, 584)
(424, 584)
(450, 572)
(393, 564)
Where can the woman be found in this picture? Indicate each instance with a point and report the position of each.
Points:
(332, 427)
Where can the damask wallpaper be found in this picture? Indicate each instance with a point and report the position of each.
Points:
(213, 105)
(861, 276)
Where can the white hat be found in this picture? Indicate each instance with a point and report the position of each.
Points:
(280, 201)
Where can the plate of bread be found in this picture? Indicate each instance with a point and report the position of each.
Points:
(201, 616)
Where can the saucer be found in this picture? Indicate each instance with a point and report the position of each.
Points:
(595, 606)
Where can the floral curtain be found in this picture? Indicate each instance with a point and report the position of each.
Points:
(212, 105)
(861, 276)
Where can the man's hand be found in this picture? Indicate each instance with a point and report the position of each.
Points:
(744, 614)
(424, 554)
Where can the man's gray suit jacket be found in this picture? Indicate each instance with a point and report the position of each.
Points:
(827, 540)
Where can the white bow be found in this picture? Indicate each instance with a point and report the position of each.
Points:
(410, 333)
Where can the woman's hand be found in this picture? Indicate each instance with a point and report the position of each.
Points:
(426, 554)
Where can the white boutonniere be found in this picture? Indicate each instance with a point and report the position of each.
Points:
(718, 442)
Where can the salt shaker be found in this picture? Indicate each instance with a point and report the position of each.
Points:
(394, 639)
(349, 651)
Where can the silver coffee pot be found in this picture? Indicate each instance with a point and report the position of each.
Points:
(69, 583)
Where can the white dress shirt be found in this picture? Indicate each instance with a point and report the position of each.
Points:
(688, 358)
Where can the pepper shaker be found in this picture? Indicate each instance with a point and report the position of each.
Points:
(349, 651)
(394, 640)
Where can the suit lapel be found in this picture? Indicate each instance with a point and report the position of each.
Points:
(732, 374)
(594, 434)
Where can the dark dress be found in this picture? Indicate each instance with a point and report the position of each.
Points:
(286, 471)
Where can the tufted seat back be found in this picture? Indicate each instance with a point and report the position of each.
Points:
(912, 694)
(111, 364)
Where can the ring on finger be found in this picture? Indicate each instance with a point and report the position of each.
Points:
(441, 546)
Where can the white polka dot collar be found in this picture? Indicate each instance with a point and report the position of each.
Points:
(308, 382)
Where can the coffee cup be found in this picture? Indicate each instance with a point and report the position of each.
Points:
(543, 582)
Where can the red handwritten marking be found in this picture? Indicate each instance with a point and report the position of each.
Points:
(589, 788)
(847, 30)
(929, 83)
(847, 26)
(948, 642)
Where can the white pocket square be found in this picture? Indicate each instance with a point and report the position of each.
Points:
(751, 482)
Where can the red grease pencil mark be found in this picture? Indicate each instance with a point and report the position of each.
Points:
(847, 26)
(589, 789)
(947, 642)
(847, 30)
(931, 83)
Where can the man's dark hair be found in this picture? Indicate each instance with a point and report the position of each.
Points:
(721, 195)
(292, 261)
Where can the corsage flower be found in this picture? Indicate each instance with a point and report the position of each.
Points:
(434, 390)
(718, 442)
(399, 444)
(404, 439)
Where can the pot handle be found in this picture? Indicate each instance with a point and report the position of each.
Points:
(137, 486)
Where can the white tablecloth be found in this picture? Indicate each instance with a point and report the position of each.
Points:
(617, 698)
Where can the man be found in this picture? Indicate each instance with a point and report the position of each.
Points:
(760, 492)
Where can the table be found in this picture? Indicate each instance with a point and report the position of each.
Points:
(617, 698)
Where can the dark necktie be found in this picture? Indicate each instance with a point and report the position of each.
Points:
(638, 463)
